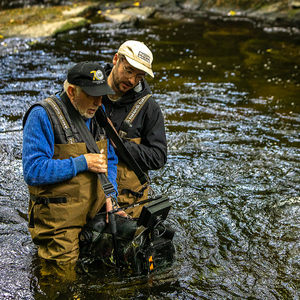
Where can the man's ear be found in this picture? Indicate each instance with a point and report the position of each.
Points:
(115, 59)
(71, 92)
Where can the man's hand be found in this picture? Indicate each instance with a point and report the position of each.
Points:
(96, 162)
(109, 207)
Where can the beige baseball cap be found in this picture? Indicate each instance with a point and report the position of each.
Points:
(138, 55)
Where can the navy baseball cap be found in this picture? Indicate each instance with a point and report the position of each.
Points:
(91, 78)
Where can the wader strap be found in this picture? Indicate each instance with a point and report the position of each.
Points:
(62, 120)
(127, 123)
(138, 194)
(112, 134)
(90, 143)
(45, 201)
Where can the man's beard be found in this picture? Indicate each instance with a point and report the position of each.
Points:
(116, 82)
(83, 112)
(86, 115)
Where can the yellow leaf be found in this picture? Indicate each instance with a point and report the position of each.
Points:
(137, 4)
(232, 13)
(1, 36)
(99, 12)
(32, 43)
(269, 50)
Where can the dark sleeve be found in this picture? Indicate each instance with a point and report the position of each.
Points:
(151, 154)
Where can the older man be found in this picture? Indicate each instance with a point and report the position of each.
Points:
(60, 172)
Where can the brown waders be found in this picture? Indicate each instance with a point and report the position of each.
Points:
(57, 225)
(127, 180)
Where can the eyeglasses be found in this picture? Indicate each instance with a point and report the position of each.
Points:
(129, 74)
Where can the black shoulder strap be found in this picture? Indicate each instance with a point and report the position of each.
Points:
(103, 122)
(91, 145)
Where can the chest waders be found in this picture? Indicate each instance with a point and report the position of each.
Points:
(106, 185)
(57, 212)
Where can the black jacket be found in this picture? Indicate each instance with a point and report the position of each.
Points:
(148, 125)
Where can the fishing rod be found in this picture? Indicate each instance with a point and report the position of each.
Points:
(131, 205)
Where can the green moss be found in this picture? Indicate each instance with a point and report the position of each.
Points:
(293, 12)
(71, 25)
(32, 16)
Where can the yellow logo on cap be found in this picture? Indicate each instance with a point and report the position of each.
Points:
(98, 75)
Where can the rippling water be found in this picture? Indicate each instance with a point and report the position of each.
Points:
(229, 92)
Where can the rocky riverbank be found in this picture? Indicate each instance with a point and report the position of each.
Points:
(46, 19)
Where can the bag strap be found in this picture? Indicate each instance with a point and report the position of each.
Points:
(103, 122)
(91, 145)
(127, 123)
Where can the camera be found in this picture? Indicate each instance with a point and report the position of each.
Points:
(143, 245)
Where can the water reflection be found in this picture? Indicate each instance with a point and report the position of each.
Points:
(229, 94)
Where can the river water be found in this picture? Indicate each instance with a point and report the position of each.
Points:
(229, 91)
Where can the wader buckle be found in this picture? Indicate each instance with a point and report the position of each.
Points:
(138, 194)
(114, 201)
(42, 200)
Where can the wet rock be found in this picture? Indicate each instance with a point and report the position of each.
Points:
(128, 13)
(129, 16)
(169, 10)
(7, 4)
(269, 12)
(141, 13)
(47, 29)
(74, 11)
(295, 4)
(42, 22)
(162, 4)
(269, 9)
(117, 16)
(191, 5)
(169, 15)
(286, 15)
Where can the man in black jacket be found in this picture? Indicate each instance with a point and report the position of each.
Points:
(136, 117)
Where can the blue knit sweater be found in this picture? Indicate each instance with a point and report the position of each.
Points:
(38, 150)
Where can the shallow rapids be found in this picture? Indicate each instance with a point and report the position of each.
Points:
(229, 92)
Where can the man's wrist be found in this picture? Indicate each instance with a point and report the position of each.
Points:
(80, 164)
